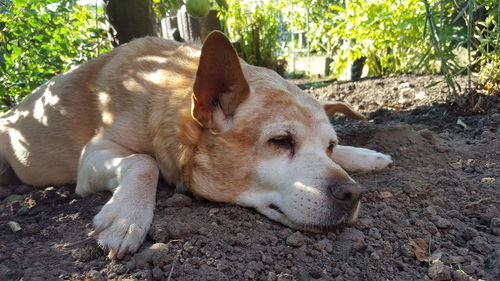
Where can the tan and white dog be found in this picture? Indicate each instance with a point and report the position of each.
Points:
(207, 121)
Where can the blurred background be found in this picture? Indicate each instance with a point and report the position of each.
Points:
(323, 40)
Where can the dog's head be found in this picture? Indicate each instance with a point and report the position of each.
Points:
(265, 144)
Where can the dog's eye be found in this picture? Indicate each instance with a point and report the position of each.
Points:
(330, 148)
(286, 142)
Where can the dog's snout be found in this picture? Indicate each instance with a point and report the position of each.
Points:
(348, 193)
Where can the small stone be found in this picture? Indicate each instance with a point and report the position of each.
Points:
(406, 250)
(95, 275)
(470, 268)
(316, 272)
(457, 259)
(375, 234)
(495, 226)
(438, 271)
(250, 274)
(296, 239)
(441, 222)
(433, 211)
(365, 223)
(426, 133)
(271, 276)
(324, 244)
(469, 233)
(179, 200)
(374, 256)
(158, 254)
(180, 230)
(213, 211)
(459, 276)
(157, 273)
(480, 245)
(442, 148)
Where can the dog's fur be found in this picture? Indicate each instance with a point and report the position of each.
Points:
(212, 125)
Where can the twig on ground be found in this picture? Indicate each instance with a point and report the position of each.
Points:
(173, 264)
(475, 203)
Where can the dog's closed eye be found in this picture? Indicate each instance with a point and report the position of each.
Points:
(284, 142)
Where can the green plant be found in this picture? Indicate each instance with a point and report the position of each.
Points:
(39, 39)
(440, 44)
(487, 38)
(387, 33)
(253, 26)
(481, 39)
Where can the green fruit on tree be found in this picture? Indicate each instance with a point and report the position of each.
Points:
(198, 8)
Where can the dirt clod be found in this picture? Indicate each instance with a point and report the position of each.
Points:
(439, 272)
(296, 239)
(179, 200)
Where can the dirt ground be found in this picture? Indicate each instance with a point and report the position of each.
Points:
(433, 215)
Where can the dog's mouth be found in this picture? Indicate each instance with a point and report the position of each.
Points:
(276, 208)
(334, 222)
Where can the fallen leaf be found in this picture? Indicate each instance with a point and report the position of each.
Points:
(419, 249)
(422, 244)
(384, 194)
(461, 123)
(14, 226)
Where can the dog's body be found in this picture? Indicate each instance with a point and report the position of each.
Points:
(241, 135)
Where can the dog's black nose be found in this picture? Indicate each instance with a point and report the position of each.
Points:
(347, 194)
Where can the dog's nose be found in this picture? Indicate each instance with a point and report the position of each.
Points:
(346, 193)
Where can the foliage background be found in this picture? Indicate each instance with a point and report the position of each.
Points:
(254, 27)
(40, 39)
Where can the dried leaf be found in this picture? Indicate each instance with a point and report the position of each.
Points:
(422, 244)
(421, 248)
(418, 250)
(384, 194)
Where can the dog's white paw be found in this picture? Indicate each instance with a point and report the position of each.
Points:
(372, 160)
(121, 227)
(360, 159)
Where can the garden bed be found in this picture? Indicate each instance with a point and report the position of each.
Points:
(434, 214)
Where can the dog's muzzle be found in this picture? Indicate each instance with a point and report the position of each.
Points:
(346, 195)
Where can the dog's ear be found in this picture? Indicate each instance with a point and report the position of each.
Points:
(333, 107)
(219, 86)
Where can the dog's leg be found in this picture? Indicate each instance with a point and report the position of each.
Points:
(359, 159)
(123, 222)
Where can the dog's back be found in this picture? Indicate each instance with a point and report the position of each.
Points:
(49, 128)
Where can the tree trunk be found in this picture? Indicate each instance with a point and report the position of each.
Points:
(130, 19)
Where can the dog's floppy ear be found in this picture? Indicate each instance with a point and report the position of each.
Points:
(333, 107)
(219, 86)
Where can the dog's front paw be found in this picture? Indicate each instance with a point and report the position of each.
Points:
(121, 227)
(360, 159)
(372, 160)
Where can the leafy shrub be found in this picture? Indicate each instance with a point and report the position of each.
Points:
(487, 38)
(253, 25)
(387, 33)
(40, 39)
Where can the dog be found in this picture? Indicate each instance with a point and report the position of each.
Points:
(203, 119)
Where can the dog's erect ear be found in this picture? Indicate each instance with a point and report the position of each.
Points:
(333, 107)
(219, 86)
